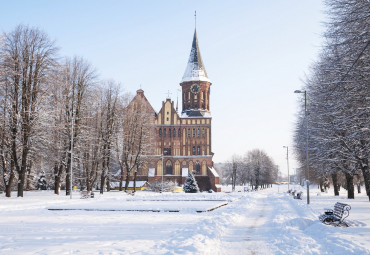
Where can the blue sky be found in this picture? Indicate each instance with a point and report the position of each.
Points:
(255, 52)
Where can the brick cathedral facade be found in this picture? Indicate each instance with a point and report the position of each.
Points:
(183, 141)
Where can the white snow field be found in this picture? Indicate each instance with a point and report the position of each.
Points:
(264, 222)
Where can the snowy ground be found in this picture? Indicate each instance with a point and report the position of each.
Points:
(264, 222)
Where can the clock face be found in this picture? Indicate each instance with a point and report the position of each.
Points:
(195, 88)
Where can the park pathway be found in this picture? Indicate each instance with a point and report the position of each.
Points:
(247, 235)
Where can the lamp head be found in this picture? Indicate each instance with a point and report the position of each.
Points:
(298, 91)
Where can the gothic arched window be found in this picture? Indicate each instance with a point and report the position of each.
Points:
(193, 150)
(168, 167)
(197, 167)
(160, 132)
(198, 150)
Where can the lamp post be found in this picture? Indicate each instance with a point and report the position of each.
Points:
(305, 117)
(70, 174)
(287, 162)
(162, 172)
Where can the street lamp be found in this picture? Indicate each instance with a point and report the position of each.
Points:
(70, 174)
(162, 171)
(287, 162)
(305, 116)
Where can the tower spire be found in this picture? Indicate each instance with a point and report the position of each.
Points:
(195, 70)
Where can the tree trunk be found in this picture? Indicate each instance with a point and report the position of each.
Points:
(366, 174)
(335, 184)
(108, 170)
(102, 178)
(68, 170)
(22, 172)
(68, 183)
(57, 185)
(21, 177)
(121, 179)
(350, 186)
(28, 181)
(102, 184)
(108, 182)
(127, 180)
(358, 187)
(57, 174)
(8, 187)
(322, 185)
(135, 173)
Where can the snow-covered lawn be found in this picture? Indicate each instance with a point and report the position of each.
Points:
(264, 222)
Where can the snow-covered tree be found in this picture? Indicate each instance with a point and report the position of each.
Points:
(191, 185)
(338, 95)
(41, 182)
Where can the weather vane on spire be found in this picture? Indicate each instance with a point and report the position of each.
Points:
(195, 18)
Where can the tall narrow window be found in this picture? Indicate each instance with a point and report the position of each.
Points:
(203, 133)
(179, 132)
(198, 132)
(198, 150)
(160, 132)
(193, 132)
(197, 167)
(188, 132)
(193, 150)
(168, 167)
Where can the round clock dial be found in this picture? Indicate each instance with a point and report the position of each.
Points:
(195, 88)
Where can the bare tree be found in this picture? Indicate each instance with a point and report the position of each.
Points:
(27, 57)
(75, 80)
(109, 112)
(134, 144)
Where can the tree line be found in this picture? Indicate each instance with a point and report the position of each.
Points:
(57, 115)
(338, 95)
(255, 169)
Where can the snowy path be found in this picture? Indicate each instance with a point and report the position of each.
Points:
(247, 236)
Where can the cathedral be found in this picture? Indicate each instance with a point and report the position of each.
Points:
(182, 140)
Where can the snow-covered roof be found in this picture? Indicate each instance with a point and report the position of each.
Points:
(195, 70)
(130, 185)
(213, 171)
(192, 113)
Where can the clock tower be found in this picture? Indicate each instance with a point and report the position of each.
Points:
(195, 85)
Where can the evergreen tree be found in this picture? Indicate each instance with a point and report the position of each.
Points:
(41, 183)
(191, 185)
